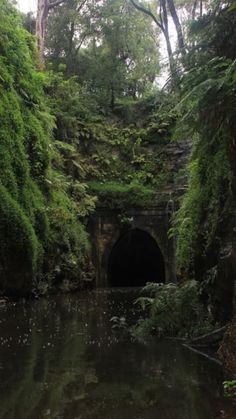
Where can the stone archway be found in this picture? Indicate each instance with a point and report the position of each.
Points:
(135, 259)
(106, 230)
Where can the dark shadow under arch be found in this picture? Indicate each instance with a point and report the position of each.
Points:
(135, 259)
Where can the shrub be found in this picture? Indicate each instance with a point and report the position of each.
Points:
(120, 195)
(172, 310)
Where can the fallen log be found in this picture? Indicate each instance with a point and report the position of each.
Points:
(209, 339)
(205, 355)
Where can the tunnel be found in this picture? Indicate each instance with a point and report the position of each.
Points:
(135, 260)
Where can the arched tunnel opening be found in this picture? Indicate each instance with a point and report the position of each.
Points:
(135, 260)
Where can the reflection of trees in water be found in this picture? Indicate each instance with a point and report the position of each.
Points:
(73, 367)
(43, 370)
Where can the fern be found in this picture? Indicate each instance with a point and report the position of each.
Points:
(173, 310)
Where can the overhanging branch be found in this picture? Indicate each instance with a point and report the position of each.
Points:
(147, 12)
(81, 5)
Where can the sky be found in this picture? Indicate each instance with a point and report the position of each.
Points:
(27, 5)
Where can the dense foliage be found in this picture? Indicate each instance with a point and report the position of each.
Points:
(172, 310)
(64, 145)
(39, 221)
(110, 155)
(93, 129)
(208, 104)
(109, 46)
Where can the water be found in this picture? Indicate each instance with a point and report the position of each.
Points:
(60, 358)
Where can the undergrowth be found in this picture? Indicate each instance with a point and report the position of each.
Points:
(172, 310)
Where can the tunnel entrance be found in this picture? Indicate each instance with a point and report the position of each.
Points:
(135, 259)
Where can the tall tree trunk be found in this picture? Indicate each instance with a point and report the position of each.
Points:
(42, 13)
(69, 54)
(170, 54)
(194, 9)
(112, 97)
(165, 30)
(43, 8)
(178, 26)
(201, 8)
(162, 22)
(71, 36)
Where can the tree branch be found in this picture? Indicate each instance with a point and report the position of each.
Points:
(177, 24)
(160, 15)
(54, 4)
(81, 5)
(147, 12)
(81, 42)
(194, 9)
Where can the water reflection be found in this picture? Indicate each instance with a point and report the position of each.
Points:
(59, 358)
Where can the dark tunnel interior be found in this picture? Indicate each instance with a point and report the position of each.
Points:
(135, 260)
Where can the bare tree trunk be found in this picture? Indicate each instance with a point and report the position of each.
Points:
(194, 9)
(201, 8)
(170, 55)
(112, 97)
(42, 13)
(162, 22)
(165, 30)
(43, 8)
(178, 26)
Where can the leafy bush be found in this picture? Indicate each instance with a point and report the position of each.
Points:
(119, 195)
(172, 310)
(230, 389)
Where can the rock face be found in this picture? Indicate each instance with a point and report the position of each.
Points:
(227, 350)
(227, 273)
(108, 225)
(226, 288)
(227, 270)
(177, 155)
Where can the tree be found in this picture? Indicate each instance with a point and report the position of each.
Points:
(43, 9)
(110, 48)
(69, 27)
(161, 20)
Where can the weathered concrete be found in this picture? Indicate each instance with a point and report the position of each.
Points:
(107, 227)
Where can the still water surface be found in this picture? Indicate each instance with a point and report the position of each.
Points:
(60, 358)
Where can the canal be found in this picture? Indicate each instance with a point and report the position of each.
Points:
(61, 357)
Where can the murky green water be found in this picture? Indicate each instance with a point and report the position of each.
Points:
(60, 358)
